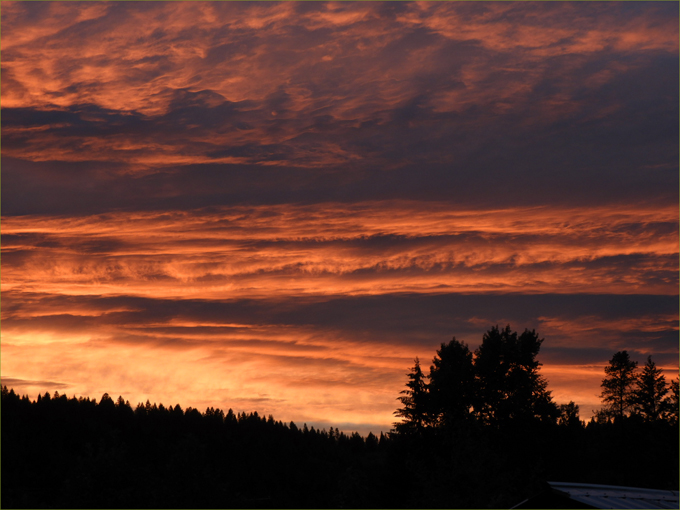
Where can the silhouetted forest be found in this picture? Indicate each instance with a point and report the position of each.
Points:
(479, 431)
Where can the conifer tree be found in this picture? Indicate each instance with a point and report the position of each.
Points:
(618, 385)
(650, 391)
(415, 402)
(452, 384)
(509, 385)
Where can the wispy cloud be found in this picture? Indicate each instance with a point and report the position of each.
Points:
(176, 105)
(363, 248)
(279, 205)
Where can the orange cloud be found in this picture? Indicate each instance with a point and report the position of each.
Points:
(284, 251)
(369, 248)
(299, 198)
(123, 61)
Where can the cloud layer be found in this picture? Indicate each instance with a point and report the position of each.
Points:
(278, 205)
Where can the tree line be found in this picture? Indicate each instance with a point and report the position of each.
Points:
(479, 430)
(483, 429)
(499, 385)
(60, 452)
(645, 394)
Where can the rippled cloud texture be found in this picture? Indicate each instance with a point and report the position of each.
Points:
(277, 206)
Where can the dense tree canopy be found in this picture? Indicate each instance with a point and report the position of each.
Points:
(61, 452)
(509, 386)
(499, 383)
(490, 413)
(569, 415)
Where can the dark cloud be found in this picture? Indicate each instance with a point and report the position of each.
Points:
(407, 319)
(587, 129)
(12, 382)
(348, 310)
(77, 244)
(597, 355)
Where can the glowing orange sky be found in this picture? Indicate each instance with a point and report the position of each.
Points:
(364, 249)
(276, 207)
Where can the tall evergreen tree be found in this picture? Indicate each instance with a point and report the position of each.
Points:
(509, 385)
(415, 402)
(452, 384)
(618, 385)
(650, 392)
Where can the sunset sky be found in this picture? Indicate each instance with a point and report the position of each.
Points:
(276, 207)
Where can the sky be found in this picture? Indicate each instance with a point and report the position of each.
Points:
(276, 207)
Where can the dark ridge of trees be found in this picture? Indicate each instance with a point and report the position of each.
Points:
(498, 386)
(642, 395)
(60, 452)
(482, 429)
(479, 431)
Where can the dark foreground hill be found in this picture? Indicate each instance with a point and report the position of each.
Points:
(78, 453)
